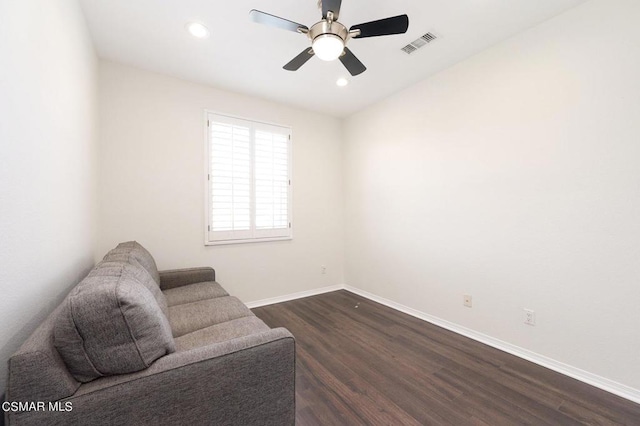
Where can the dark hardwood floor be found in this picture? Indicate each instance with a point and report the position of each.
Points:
(373, 365)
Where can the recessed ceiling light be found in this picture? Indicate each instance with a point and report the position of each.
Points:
(197, 30)
(342, 82)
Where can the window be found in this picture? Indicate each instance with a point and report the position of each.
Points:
(248, 181)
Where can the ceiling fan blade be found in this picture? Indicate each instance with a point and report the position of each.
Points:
(331, 5)
(351, 63)
(276, 21)
(395, 25)
(299, 60)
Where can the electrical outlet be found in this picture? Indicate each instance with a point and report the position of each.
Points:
(467, 300)
(323, 269)
(529, 317)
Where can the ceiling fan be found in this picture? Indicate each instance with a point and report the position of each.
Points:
(329, 37)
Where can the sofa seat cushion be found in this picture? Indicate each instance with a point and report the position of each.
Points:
(221, 332)
(193, 293)
(111, 324)
(134, 249)
(194, 316)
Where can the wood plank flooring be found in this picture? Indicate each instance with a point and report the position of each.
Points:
(372, 365)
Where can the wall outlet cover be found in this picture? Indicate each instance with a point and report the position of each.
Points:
(529, 317)
(467, 300)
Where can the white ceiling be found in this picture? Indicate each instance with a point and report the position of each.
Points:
(246, 57)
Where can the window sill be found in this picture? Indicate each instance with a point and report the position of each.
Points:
(245, 241)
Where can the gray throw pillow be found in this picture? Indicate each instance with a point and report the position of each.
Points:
(111, 324)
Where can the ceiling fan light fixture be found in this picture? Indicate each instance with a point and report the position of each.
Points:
(197, 30)
(328, 47)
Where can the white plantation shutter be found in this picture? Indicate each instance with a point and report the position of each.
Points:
(230, 179)
(249, 187)
(271, 180)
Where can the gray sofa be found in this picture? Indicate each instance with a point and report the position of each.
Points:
(133, 346)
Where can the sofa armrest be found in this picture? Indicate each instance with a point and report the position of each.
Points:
(179, 277)
(244, 381)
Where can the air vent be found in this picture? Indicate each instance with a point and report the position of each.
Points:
(420, 42)
(409, 48)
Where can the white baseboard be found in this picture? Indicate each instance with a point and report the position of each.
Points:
(611, 386)
(294, 296)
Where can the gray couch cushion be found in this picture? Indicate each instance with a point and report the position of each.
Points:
(140, 254)
(220, 332)
(179, 277)
(111, 324)
(141, 274)
(194, 293)
(194, 316)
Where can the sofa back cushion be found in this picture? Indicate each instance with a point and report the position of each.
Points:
(135, 250)
(111, 324)
(115, 257)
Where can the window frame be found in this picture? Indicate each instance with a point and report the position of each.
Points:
(253, 235)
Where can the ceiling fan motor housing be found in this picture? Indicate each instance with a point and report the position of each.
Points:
(325, 27)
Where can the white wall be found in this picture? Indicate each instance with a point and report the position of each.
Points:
(48, 178)
(152, 183)
(514, 177)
